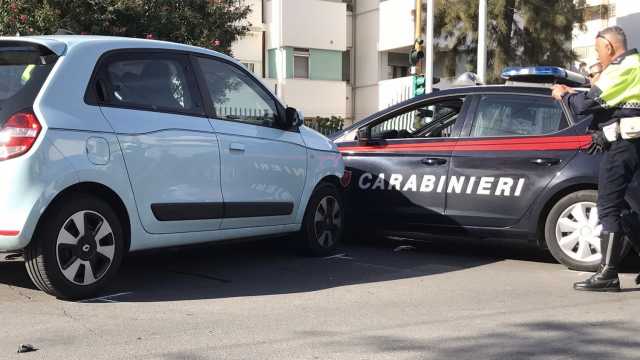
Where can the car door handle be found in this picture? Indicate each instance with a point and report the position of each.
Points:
(236, 147)
(434, 161)
(545, 161)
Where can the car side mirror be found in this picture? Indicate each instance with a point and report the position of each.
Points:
(364, 135)
(293, 118)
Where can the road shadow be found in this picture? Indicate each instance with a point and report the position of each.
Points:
(275, 266)
(538, 339)
(13, 273)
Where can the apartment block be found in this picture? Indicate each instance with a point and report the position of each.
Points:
(250, 48)
(301, 48)
(603, 13)
(384, 35)
(346, 58)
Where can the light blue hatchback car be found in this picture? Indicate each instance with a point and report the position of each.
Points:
(110, 145)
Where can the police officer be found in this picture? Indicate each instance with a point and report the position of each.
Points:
(614, 99)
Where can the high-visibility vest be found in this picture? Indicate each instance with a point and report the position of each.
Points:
(619, 84)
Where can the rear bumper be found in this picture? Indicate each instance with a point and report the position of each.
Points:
(11, 243)
(27, 186)
(19, 193)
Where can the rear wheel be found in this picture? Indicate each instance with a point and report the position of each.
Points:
(78, 248)
(572, 231)
(322, 226)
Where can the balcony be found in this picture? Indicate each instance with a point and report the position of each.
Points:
(314, 97)
(307, 24)
(391, 92)
(397, 24)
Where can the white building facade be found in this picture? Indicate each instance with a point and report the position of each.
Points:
(384, 36)
(601, 14)
(301, 49)
(349, 58)
(345, 58)
(250, 48)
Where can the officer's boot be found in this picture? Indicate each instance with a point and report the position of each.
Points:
(606, 279)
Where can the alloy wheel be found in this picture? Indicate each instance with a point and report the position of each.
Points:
(578, 232)
(85, 248)
(327, 221)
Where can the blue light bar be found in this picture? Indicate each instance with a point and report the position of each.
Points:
(544, 74)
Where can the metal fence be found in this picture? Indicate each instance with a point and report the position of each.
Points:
(394, 92)
(325, 126)
(243, 113)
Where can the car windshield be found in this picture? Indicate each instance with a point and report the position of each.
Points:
(23, 70)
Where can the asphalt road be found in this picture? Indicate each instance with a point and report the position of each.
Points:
(440, 300)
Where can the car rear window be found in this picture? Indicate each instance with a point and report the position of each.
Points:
(157, 83)
(23, 70)
(517, 115)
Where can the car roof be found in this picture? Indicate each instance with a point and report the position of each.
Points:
(465, 90)
(60, 44)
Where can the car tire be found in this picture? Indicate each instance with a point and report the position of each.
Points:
(323, 223)
(63, 261)
(572, 244)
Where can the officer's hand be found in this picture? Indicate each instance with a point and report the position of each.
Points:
(559, 90)
(598, 143)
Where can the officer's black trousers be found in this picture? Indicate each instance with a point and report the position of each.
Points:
(619, 165)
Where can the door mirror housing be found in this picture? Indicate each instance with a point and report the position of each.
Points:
(364, 135)
(293, 118)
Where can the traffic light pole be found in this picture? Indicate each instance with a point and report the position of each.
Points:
(428, 66)
(417, 35)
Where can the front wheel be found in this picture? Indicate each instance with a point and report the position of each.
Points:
(322, 226)
(78, 248)
(572, 231)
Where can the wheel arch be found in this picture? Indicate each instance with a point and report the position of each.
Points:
(332, 179)
(559, 193)
(103, 192)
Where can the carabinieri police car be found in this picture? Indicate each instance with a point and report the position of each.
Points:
(482, 161)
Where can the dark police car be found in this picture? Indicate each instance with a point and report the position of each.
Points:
(480, 161)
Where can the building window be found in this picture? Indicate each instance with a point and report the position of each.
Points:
(346, 66)
(301, 63)
(398, 65)
(250, 66)
(599, 12)
(399, 71)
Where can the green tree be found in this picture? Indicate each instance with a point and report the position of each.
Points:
(214, 24)
(520, 33)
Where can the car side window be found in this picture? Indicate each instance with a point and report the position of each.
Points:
(156, 83)
(235, 95)
(517, 115)
(429, 121)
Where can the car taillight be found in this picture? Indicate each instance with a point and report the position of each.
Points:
(18, 134)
